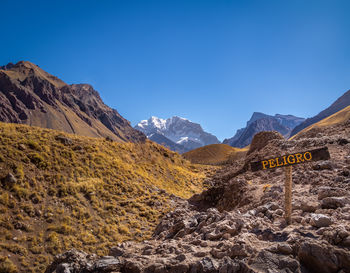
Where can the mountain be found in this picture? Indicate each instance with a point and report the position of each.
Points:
(29, 95)
(214, 154)
(327, 125)
(259, 122)
(59, 191)
(166, 142)
(179, 134)
(338, 105)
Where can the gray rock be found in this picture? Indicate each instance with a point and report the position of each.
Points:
(116, 251)
(320, 220)
(10, 179)
(63, 268)
(308, 206)
(324, 192)
(107, 264)
(266, 261)
(334, 202)
(64, 140)
(284, 248)
(323, 257)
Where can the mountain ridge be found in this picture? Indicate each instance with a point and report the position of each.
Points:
(263, 122)
(340, 103)
(30, 95)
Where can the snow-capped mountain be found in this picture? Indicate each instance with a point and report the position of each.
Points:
(179, 132)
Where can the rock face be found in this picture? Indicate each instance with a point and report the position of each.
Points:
(261, 139)
(237, 225)
(178, 134)
(32, 96)
(338, 105)
(261, 122)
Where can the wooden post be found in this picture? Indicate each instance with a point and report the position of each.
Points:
(288, 195)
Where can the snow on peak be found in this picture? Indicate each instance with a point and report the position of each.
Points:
(178, 130)
(158, 122)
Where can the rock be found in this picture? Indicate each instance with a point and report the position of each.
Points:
(325, 165)
(334, 202)
(181, 257)
(116, 251)
(71, 259)
(284, 249)
(206, 265)
(266, 261)
(260, 140)
(324, 192)
(63, 268)
(323, 257)
(64, 140)
(22, 147)
(229, 266)
(308, 206)
(342, 141)
(320, 220)
(132, 267)
(107, 264)
(10, 179)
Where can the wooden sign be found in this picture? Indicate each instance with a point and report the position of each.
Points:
(291, 159)
(288, 161)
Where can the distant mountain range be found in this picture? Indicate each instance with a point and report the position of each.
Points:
(338, 105)
(259, 122)
(29, 95)
(176, 133)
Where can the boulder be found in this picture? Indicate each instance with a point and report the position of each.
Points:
(334, 202)
(320, 220)
(260, 140)
(324, 192)
(323, 258)
(10, 179)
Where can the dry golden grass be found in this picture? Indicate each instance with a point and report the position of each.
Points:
(88, 195)
(214, 154)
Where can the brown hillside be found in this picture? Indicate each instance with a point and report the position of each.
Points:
(32, 96)
(214, 154)
(336, 119)
(61, 191)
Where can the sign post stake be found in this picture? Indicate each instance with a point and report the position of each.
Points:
(288, 195)
(288, 161)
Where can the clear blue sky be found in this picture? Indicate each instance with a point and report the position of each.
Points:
(214, 62)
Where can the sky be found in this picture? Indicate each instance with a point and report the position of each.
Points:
(213, 62)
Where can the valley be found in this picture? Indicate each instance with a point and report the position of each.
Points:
(84, 191)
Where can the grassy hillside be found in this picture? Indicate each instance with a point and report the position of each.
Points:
(337, 118)
(88, 193)
(214, 154)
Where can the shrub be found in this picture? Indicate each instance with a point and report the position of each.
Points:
(33, 145)
(7, 266)
(123, 230)
(4, 199)
(37, 160)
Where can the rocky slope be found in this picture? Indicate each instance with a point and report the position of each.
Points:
(29, 95)
(338, 105)
(259, 122)
(179, 134)
(237, 225)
